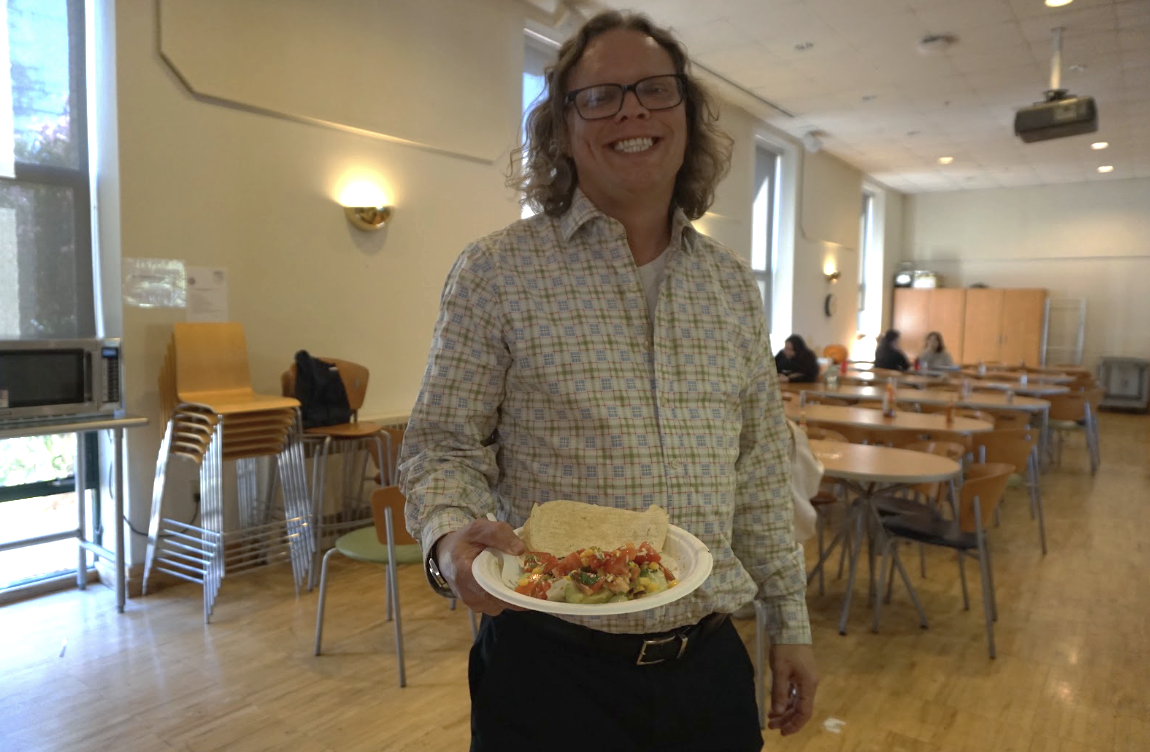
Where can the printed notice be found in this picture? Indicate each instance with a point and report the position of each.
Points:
(207, 293)
(153, 283)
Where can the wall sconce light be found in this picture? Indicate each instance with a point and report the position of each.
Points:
(368, 218)
(830, 272)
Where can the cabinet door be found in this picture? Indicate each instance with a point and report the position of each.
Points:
(911, 317)
(982, 326)
(1022, 316)
(946, 316)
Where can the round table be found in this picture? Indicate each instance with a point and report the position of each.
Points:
(869, 471)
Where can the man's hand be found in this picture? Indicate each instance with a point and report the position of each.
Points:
(794, 679)
(457, 550)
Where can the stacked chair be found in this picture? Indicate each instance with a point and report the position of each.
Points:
(211, 416)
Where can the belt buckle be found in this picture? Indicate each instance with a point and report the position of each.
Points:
(640, 661)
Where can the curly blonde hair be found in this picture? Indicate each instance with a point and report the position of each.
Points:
(549, 177)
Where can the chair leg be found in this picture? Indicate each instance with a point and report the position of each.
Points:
(1036, 491)
(319, 478)
(882, 573)
(990, 577)
(322, 601)
(910, 589)
(890, 578)
(922, 559)
(393, 581)
(987, 597)
(962, 577)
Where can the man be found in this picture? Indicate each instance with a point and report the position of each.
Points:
(606, 352)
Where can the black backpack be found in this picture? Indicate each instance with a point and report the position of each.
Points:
(319, 389)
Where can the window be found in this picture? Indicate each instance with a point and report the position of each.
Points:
(763, 230)
(536, 58)
(46, 278)
(870, 264)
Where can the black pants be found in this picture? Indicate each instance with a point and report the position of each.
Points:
(531, 692)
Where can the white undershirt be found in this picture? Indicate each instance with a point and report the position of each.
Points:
(651, 277)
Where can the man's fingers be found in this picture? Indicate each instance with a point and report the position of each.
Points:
(498, 535)
(780, 692)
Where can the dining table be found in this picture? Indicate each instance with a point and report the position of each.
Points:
(868, 472)
(1041, 377)
(874, 420)
(909, 378)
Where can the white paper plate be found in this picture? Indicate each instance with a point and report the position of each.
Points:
(685, 555)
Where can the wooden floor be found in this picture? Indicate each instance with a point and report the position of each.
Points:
(1071, 674)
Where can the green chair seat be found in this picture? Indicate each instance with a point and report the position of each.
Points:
(364, 545)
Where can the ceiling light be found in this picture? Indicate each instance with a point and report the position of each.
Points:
(804, 46)
(869, 97)
(1106, 168)
(1058, 3)
(1099, 145)
(945, 160)
(935, 44)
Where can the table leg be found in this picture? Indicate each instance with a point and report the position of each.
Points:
(118, 524)
(79, 471)
(856, 547)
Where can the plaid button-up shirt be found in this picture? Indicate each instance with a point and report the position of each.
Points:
(544, 383)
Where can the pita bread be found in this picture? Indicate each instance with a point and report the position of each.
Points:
(560, 527)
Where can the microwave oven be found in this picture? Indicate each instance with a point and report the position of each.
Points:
(45, 379)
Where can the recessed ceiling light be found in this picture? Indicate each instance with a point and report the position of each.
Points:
(804, 46)
(1077, 67)
(1106, 168)
(913, 133)
(869, 97)
(945, 160)
(1058, 3)
(1099, 145)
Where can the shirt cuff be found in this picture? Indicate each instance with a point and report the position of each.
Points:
(440, 525)
(787, 620)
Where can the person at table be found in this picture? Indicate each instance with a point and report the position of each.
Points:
(796, 362)
(888, 355)
(934, 353)
(605, 351)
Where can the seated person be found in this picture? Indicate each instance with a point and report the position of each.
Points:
(934, 354)
(796, 362)
(888, 355)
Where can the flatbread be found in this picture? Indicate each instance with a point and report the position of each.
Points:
(560, 527)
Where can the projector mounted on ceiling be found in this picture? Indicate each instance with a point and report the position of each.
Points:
(1062, 114)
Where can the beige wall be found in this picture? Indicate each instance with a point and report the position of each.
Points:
(215, 185)
(1083, 240)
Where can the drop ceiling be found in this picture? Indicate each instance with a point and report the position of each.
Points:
(892, 111)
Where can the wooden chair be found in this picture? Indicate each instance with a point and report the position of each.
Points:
(1017, 447)
(982, 415)
(837, 353)
(981, 492)
(819, 433)
(814, 400)
(1072, 412)
(387, 543)
(1009, 418)
(898, 438)
(211, 415)
(348, 439)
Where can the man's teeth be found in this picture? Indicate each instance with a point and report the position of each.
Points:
(634, 145)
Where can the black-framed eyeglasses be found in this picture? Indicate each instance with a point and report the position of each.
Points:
(605, 100)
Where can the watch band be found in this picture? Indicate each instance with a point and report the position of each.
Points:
(434, 577)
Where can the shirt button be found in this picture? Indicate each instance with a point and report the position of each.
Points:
(674, 464)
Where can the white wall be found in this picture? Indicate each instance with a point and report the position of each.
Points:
(218, 186)
(1082, 240)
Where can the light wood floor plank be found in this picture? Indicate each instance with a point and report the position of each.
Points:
(1073, 646)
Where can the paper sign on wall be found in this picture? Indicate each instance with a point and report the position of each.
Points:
(207, 293)
(153, 283)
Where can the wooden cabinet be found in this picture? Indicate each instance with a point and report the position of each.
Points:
(918, 312)
(976, 324)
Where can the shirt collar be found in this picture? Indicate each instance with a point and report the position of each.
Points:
(582, 211)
